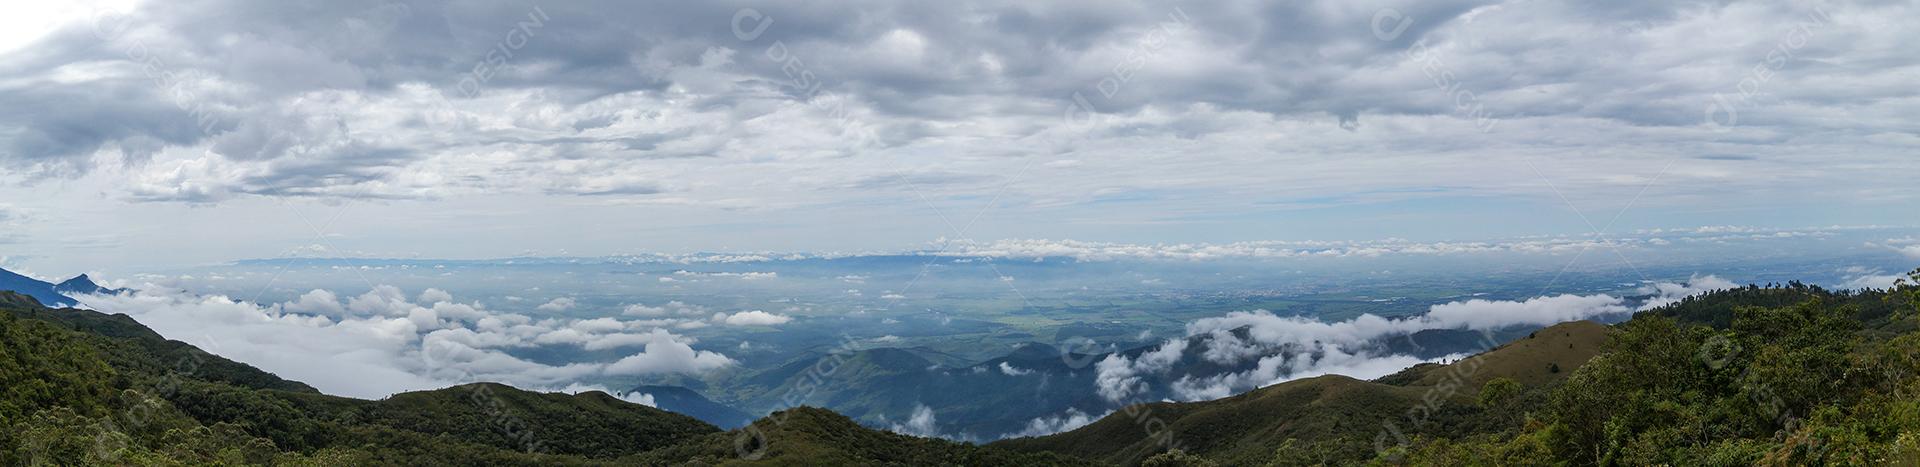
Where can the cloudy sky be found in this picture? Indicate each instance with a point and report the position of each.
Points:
(138, 135)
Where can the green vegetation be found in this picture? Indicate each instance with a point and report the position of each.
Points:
(1328, 418)
(79, 387)
(1176, 458)
(1784, 375)
(1778, 375)
(811, 436)
(1798, 384)
(1498, 392)
(84, 387)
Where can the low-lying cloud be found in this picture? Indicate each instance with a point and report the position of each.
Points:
(1273, 349)
(755, 318)
(1066, 421)
(1008, 369)
(380, 343)
(1277, 249)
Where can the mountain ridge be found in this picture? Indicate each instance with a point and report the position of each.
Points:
(691, 403)
(1304, 407)
(83, 285)
(41, 291)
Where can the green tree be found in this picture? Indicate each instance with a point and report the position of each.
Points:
(1176, 458)
(1601, 408)
(1498, 391)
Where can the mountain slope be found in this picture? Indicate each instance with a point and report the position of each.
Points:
(1870, 308)
(129, 345)
(877, 386)
(592, 423)
(1004, 396)
(78, 386)
(1784, 375)
(83, 285)
(70, 374)
(685, 401)
(1542, 357)
(1245, 429)
(812, 436)
(41, 291)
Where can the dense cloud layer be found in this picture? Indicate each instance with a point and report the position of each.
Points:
(380, 342)
(1234, 106)
(1275, 249)
(1281, 348)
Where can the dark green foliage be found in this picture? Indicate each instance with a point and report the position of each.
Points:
(1871, 308)
(1780, 375)
(44, 366)
(129, 345)
(1337, 415)
(1335, 419)
(1499, 391)
(591, 424)
(87, 388)
(812, 436)
(1293, 452)
(1814, 382)
(1177, 458)
(14, 300)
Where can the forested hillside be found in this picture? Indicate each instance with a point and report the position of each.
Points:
(1331, 415)
(82, 387)
(1771, 375)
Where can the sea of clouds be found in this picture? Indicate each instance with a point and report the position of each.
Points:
(386, 341)
(1284, 348)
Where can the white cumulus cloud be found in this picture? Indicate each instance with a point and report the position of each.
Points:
(756, 318)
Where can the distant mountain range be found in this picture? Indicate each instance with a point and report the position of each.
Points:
(687, 402)
(51, 294)
(83, 285)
